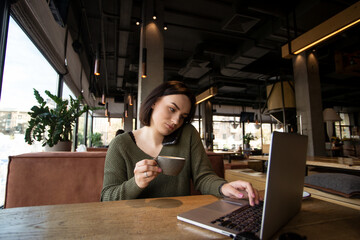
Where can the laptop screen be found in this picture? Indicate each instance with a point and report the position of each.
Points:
(285, 181)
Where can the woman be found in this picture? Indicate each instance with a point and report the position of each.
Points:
(130, 169)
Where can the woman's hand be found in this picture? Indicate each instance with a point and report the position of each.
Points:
(239, 189)
(145, 171)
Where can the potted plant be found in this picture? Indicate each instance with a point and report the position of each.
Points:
(96, 139)
(53, 126)
(247, 138)
(335, 141)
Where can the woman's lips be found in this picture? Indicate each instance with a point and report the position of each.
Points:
(170, 127)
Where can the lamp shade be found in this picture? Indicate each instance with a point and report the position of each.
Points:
(330, 115)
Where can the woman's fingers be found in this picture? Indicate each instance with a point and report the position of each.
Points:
(148, 166)
(145, 171)
(238, 189)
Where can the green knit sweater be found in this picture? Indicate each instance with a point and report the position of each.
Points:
(123, 154)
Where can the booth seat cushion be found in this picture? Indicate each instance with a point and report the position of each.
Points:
(47, 178)
(336, 183)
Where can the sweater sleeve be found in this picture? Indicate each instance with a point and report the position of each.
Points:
(204, 177)
(119, 182)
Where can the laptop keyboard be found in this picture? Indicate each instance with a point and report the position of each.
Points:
(245, 219)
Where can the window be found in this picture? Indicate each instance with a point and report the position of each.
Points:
(195, 123)
(67, 92)
(342, 128)
(107, 128)
(81, 121)
(226, 134)
(25, 68)
(81, 130)
(89, 129)
(256, 132)
(266, 128)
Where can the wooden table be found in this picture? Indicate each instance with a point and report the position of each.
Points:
(226, 154)
(348, 164)
(156, 219)
(258, 180)
(344, 163)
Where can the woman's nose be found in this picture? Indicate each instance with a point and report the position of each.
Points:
(176, 119)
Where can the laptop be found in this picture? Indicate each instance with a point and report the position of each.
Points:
(282, 199)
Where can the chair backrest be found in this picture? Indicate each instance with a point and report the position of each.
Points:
(48, 178)
(96, 149)
(217, 163)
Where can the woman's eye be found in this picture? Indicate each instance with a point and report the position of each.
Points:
(171, 109)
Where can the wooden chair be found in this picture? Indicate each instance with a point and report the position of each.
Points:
(217, 163)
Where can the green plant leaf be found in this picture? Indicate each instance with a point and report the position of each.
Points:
(51, 125)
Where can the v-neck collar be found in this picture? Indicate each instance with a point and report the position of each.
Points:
(133, 140)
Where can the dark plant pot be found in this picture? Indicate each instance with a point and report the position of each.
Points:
(247, 145)
(60, 146)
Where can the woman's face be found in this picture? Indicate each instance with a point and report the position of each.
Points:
(169, 113)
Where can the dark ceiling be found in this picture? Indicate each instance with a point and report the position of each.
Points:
(234, 45)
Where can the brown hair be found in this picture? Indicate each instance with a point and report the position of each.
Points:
(166, 88)
(119, 131)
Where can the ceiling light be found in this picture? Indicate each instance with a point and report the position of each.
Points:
(154, 7)
(326, 37)
(257, 124)
(107, 110)
(165, 27)
(334, 25)
(138, 21)
(206, 95)
(143, 66)
(130, 99)
(103, 99)
(330, 116)
(97, 62)
(126, 112)
(234, 125)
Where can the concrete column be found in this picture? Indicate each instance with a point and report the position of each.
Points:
(308, 102)
(151, 38)
(207, 127)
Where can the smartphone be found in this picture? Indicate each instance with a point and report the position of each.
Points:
(173, 137)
